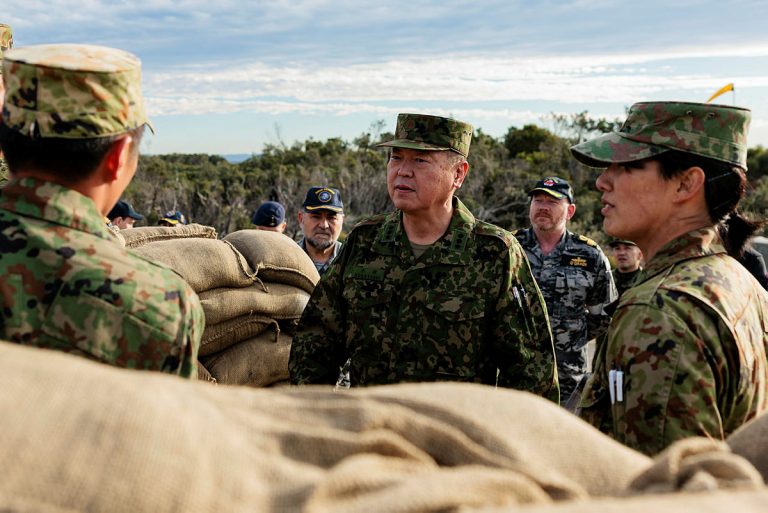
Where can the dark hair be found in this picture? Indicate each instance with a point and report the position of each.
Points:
(71, 160)
(724, 187)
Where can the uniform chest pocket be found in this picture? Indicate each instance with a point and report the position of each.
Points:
(455, 308)
(578, 283)
(364, 294)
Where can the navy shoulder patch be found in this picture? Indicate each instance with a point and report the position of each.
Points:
(587, 241)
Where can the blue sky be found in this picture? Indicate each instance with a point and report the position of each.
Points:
(229, 76)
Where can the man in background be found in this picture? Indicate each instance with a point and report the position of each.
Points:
(6, 43)
(123, 215)
(172, 218)
(270, 216)
(628, 259)
(573, 274)
(321, 220)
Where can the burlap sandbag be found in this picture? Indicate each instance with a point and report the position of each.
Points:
(87, 436)
(217, 337)
(203, 263)
(276, 258)
(278, 301)
(256, 362)
(135, 237)
(204, 374)
(751, 442)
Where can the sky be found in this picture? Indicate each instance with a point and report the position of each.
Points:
(229, 76)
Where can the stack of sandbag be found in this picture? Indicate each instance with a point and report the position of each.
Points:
(249, 330)
(253, 287)
(84, 436)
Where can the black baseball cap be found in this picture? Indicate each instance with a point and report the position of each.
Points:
(323, 198)
(555, 187)
(124, 209)
(270, 213)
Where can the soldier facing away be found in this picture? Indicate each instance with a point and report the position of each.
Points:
(427, 292)
(72, 122)
(685, 354)
(574, 275)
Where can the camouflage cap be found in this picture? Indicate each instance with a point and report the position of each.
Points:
(715, 131)
(72, 91)
(6, 40)
(432, 133)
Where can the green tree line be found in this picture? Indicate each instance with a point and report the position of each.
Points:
(212, 191)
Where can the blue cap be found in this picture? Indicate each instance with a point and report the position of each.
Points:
(555, 187)
(270, 213)
(323, 198)
(124, 209)
(174, 217)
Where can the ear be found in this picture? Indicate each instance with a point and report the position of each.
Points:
(460, 171)
(570, 210)
(690, 183)
(300, 216)
(116, 158)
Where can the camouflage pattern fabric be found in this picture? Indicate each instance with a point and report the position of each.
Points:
(3, 172)
(715, 131)
(432, 133)
(469, 307)
(690, 340)
(623, 281)
(577, 284)
(65, 284)
(322, 267)
(72, 91)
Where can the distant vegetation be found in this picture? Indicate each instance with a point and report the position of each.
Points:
(214, 192)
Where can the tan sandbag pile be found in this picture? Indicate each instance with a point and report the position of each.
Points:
(748, 439)
(135, 237)
(246, 341)
(82, 436)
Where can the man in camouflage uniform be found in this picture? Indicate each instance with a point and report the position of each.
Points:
(71, 127)
(685, 354)
(628, 257)
(574, 275)
(427, 292)
(6, 43)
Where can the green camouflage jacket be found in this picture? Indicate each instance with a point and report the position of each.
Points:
(689, 340)
(65, 284)
(466, 310)
(624, 281)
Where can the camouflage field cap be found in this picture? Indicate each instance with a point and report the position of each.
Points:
(72, 91)
(432, 133)
(715, 131)
(6, 40)
(615, 242)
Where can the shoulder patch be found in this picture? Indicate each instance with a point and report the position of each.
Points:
(491, 230)
(587, 241)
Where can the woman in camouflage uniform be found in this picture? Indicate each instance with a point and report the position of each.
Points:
(685, 352)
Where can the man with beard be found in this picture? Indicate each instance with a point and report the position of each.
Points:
(427, 292)
(574, 276)
(321, 220)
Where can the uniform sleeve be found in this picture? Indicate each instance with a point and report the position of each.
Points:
(601, 295)
(522, 335)
(669, 375)
(318, 348)
(190, 332)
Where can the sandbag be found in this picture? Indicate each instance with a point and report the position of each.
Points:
(278, 301)
(203, 263)
(217, 337)
(256, 362)
(276, 258)
(135, 237)
(751, 442)
(90, 437)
